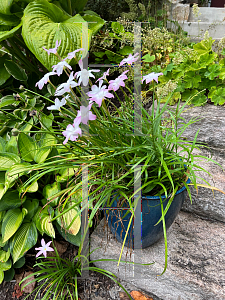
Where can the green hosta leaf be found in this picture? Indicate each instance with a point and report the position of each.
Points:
(73, 239)
(94, 22)
(33, 187)
(78, 5)
(9, 20)
(42, 220)
(217, 95)
(8, 33)
(4, 255)
(27, 147)
(19, 263)
(7, 100)
(7, 160)
(45, 143)
(12, 145)
(27, 127)
(46, 121)
(66, 173)
(2, 144)
(11, 200)
(11, 222)
(99, 54)
(23, 240)
(9, 274)
(50, 190)
(70, 221)
(15, 172)
(4, 267)
(31, 206)
(5, 6)
(46, 20)
(2, 214)
(4, 73)
(15, 70)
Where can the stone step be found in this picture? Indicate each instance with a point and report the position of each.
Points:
(196, 260)
(208, 14)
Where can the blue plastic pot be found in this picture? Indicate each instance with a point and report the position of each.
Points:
(151, 213)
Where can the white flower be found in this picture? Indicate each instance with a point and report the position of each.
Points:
(151, 76)
(59, 67)
(84, 114)
(84, 74)
(53, 50)
(44, 248)
(44, 80)
(57, 105)
(72, 54)
(65, 87)
(72, 132)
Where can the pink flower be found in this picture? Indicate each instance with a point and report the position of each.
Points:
(72, 132)
(84, 114)
(151, 76)
(44, 80)
(53, 50)
(44, 248)
(129, 60)
(115, 84)
(97, 94)
(84, 74)
(72, 54)
(57, 105)
(59, 67)
(65, 87)
(104, 76)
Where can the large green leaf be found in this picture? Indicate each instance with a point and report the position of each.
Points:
(31, 206)
(7, 160)
(44, 23)
(4, 255)
(5, 6)
(4, 73)
(94, 22)
(15, 70)
(7, 100)
(9, 20)
(11, 222)
(27, 147)
(11, 200)
(8, 33)
(42, 220)
(73, 239)
(23, 240)
(45, 143)
(70, 221)
(50, 190)
(15, 172)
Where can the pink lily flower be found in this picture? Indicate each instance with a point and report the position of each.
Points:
(97, 94)
(115, 84)
(57, 105)
(129, 60)
(53, 50)
(65, 87)
(104, 76)
(72, 54)
(44, 248)
(84, 74)
(59, 67)
(44, 80)
(84, 114)
(151, 76)
(72, 132)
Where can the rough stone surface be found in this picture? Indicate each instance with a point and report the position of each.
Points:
(196, 260)
(212, 133)
(180, 12)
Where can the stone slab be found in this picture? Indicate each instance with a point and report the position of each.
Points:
(208, 14)
(196, 260)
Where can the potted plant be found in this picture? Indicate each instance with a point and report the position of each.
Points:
(128, 151)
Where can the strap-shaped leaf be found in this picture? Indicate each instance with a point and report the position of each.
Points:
(44, 23)
(23, 240)
(11, 222)
(5, 34)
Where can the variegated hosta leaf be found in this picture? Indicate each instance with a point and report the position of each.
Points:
(44, 23)
(15, 171)
(23, 240)
(42, 220)
(12, 221)
(70, 221)
(5, 34)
